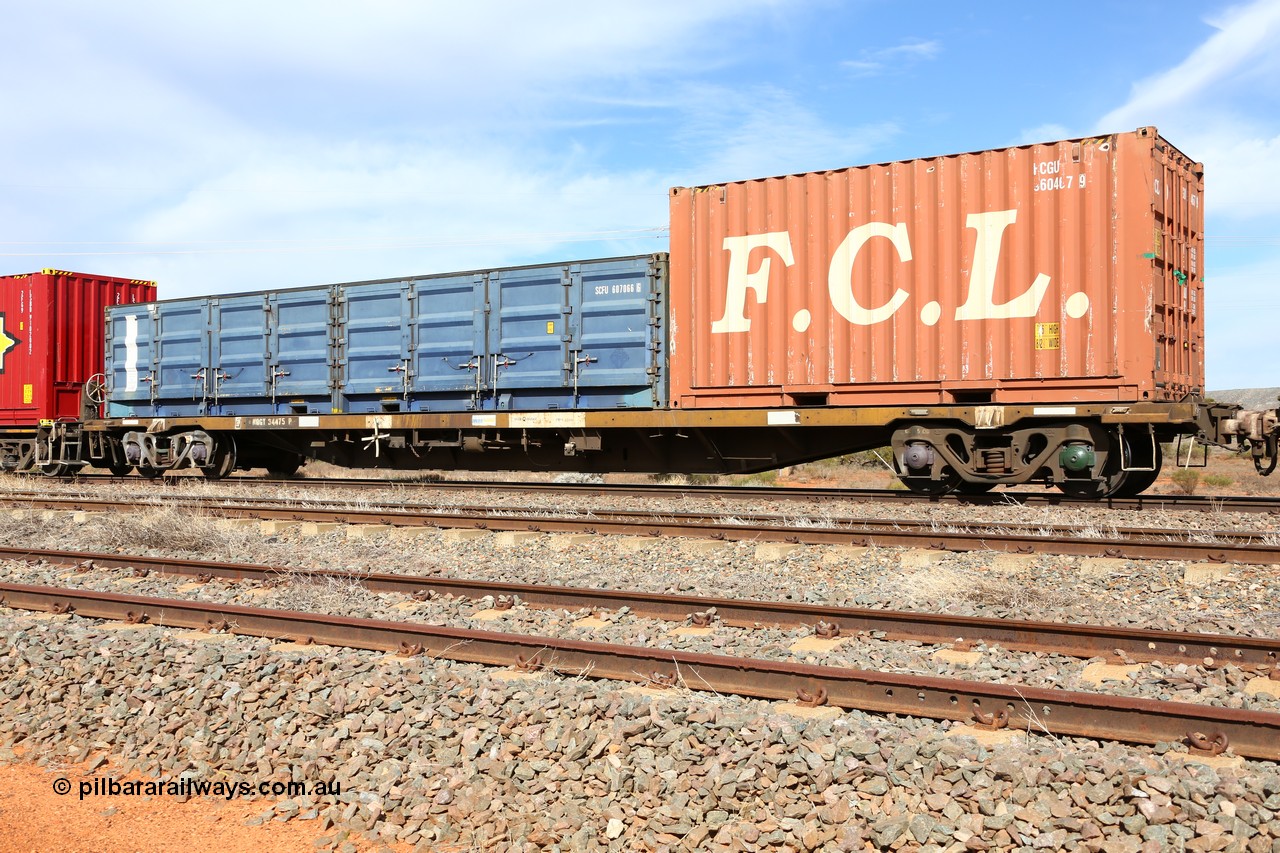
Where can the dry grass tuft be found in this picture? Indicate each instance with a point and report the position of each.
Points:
(1186, 480)
(23, 528)
(324, 594)
(166, 528)
(315, 470)
(686, 479)
(940, 589)
(1017, 596)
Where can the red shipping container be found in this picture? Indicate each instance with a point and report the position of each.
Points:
(51, 340)
(1067, 271)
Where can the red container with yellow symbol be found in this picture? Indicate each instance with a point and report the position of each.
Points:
(51, 340)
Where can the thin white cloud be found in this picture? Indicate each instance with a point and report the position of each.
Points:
(889, 59)
(1217, 106)
(473, 57)
(765, 130)
(1242, 170)
(1246, 35)
(428, 130)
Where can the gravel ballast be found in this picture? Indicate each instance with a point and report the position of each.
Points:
(431, 752)
(428, 752)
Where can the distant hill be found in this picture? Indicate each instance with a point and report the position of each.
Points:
(1250, 398)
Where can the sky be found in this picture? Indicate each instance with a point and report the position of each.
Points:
(235, 146)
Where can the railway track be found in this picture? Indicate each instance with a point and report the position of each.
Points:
(1073, 640)
(1058, 712)
(1130, 543)
(1028, 497)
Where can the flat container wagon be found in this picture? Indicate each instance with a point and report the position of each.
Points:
(1031, 314)
(51, 344)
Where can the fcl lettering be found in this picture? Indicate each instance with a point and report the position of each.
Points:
(979, 302)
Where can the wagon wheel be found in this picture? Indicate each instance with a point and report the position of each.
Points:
(54, 469)
(149, 472)
(1114, 482)
(95, 389)
(119, 469)
(967, 488)
(224, 458)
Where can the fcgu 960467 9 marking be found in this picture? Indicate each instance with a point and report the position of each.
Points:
(1050, 176)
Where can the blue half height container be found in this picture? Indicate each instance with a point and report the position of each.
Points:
(579, 335)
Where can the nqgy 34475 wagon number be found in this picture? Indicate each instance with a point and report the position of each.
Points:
(1048, 174)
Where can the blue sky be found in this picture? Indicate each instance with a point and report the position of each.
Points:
(238, 146)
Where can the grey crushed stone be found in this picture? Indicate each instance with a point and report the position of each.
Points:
(441, 753)
(430, 753)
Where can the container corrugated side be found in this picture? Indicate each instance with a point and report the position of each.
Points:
(575, 335)
(51, 340)
(1061, 271)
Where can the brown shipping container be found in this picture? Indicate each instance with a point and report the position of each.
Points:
(1067, 271)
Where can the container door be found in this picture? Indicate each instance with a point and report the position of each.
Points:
(237, 370)
(131, 365)
(449, 357)
(615, 340)
(528, 340)
(182, 355)
(1176, 321)
(375, 361)
(300, 352)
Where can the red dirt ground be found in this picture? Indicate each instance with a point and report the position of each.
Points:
(33, 819)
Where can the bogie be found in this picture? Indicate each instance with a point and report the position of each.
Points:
(1085, 459)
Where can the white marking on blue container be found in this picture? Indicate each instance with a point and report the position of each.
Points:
(131, 352)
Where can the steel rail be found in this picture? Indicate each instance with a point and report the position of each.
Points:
(667, 524)
(753, 520)
(1206, 503)
(1058, 712)
(1071, 640)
